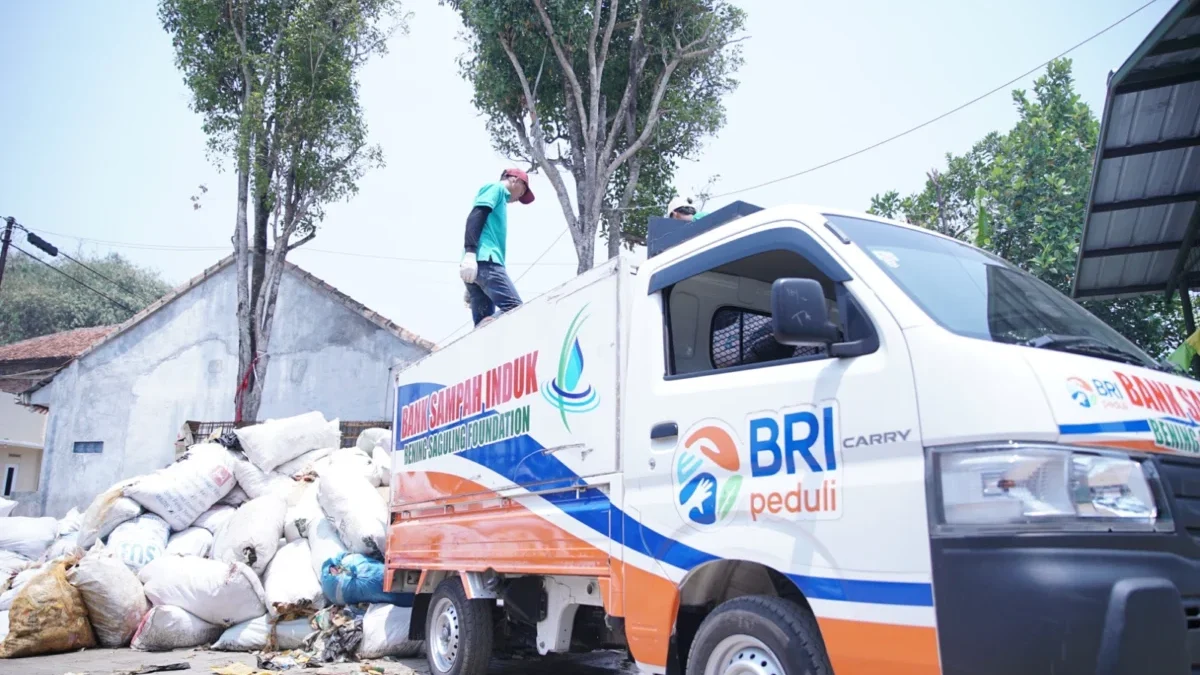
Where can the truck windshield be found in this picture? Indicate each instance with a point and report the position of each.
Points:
(978, 295)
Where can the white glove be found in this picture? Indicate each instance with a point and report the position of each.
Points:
(468, 268)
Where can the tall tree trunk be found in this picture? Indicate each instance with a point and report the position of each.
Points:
(615, 222)
(262, 215)
(245, 313)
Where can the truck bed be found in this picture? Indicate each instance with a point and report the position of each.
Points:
(506, 424)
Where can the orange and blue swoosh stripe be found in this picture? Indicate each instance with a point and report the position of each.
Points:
(524, 462)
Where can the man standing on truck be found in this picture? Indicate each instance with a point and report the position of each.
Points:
(482, 267)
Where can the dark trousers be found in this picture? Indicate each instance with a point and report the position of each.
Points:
(492, 289)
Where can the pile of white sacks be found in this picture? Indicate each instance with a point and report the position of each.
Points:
(222, 547)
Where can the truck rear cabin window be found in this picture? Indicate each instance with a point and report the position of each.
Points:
(89, 447)
(720, 318)
(741, 337)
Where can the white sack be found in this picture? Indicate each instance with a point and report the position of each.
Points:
(290, 584)
(10, 564)
(137, 542)
(187, 488)
(167, 628)
(255, 635)
(356, 510)
(113, 596)
(385, 633)
(6, 507)
(63, 547)
(369, 439)
(306, 511)
(346, 459)
(106, 512)
(252, 535)
(381, 467)
(272, 443)
(18, 582)
(29, 537)
(324, 542)
(258, 483)
(236, 497)
(304, 463)
(214, 518)
(223, 593)
(70, 522)
(195, 541)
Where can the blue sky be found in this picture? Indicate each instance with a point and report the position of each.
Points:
(97, 141)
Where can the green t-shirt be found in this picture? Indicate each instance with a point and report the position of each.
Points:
(495, 229)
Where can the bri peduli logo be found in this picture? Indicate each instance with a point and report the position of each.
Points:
(1081, 392)
(567, 391)
(707, 475)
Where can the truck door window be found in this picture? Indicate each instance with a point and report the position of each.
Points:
(721, 318)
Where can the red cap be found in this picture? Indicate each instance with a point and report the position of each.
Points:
(526, 198)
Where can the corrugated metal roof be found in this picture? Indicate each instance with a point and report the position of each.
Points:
(1143, 211)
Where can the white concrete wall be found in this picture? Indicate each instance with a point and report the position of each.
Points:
(20, 425)
(135, 392)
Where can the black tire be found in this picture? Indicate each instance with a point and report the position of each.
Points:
(469, 653)
(785, 628)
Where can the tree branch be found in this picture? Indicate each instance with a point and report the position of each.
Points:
(652, 117)
(638, 56)
(568, 71)
(307, 238)
(536, 146)
(607, 40)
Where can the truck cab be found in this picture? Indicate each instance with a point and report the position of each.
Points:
(800, 440)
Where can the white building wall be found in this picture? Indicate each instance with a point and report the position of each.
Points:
(134, 393)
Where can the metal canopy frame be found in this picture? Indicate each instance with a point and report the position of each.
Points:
(1143, 211)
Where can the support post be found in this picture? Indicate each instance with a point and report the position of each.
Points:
(5, 238)
(1189, 322)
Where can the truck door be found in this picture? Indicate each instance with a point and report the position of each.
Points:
(740, 448)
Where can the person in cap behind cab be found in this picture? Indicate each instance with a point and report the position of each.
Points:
(482, 267)
(682, 208)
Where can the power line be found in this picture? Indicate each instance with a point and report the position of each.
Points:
(939, 117)
(136, 295)
(100, 293)
(168, 247)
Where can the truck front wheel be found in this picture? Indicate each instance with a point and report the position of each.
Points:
(758, 635)
(458, 631)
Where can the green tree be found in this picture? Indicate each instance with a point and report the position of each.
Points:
(36, 300)
(1023, 195)
(609, 94)
(276, 84)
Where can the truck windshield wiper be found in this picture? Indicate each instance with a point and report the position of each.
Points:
(1088, 346)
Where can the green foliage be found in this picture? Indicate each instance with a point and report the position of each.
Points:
(561, 116)
(1023, 196)
(35, 300)
(275, 82)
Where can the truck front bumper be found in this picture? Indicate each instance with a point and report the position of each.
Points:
(1112, 604)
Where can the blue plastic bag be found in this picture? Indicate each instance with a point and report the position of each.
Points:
(351, 578)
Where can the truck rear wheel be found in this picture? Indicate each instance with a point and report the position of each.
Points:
(758, 635)
(458, 631)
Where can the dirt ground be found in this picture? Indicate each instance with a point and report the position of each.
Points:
(201, 662)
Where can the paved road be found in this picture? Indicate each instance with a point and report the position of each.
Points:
(107, 661)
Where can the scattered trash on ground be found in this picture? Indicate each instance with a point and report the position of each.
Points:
(263, 539)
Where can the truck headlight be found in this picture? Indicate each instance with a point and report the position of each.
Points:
(1029, 487)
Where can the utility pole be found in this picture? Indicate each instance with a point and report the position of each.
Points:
(9, 223)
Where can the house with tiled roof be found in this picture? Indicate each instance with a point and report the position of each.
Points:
(115, 410)
(22, 429)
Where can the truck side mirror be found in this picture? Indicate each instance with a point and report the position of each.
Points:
(799, 314)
